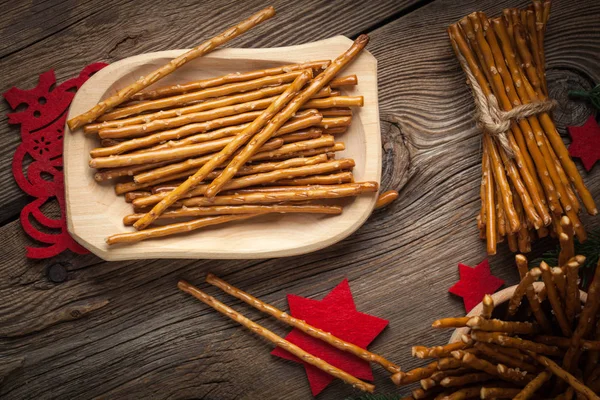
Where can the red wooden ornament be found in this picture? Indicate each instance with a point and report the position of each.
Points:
(585, 142)
(42, 123)
(335, 314)
(475, 283)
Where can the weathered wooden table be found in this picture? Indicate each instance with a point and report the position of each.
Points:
(123, 330)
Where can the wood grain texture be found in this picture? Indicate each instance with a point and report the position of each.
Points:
(150, 340)
(66, 36)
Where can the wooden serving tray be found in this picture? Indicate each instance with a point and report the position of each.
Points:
(94, 211)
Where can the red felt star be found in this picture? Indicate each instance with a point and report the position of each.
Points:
(585, 142)
(475, 283)
(336, 314)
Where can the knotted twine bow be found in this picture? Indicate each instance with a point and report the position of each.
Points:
(492, 119)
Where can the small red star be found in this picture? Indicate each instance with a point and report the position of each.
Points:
(585, 142)
(475, 283)
(335, 314)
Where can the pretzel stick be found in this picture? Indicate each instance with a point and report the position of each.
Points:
(498, 393)
(496, 325)
(449, 363)
(586, 323)
(301, 135)
(254, 168)
(565, 343)
(145, 128)
(257, 141)
(167, 230)
(136, 195)
(245, 209)
(348, 80)
(554, 299)
(331, 179)
(439, 351)
(565, 376)
(301, 122)
(257, 179)
(521, 289)
(592, 357)
(336, 112)
(563, 177)
(489, 368)
(183, 99)
(459, 322)
(335, 130)
(517, 343)
(108, 174)
(386, 198)
(227, 151)
(169, 155)
(490, 212)
(278, 341)
(172, 90)
(491, 352)
(307, 193)
(342, 177)
(467, 379)
(187, 130)
(404, 378)
(289, 150)
(142, 83)
(280, 154)
(109, 142)
(185, 118)
(567, 246)
(529, 390)
(203, 106)
(558, 276)
(534, 302)
(301, 325)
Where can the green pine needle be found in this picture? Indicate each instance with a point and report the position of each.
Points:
(590, 249)
(593, 95)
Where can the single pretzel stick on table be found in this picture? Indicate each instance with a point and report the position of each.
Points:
(173, 90)
(227, 151)
(142, 83)
(278, 341)
(245, 209)
(301, 325)
(281, 117)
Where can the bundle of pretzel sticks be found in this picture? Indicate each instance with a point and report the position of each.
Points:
(528, 178)
(227, 148)
(540, 344)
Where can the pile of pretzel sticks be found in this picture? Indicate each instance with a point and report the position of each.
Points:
(227, 148)
(528, 178)
(540, 344)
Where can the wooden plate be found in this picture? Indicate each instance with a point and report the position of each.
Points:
(94, 211)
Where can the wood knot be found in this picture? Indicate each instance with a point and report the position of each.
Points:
(569, 112)
(57, 272)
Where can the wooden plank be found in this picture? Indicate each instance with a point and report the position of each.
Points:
(149, 340)
(66, 36)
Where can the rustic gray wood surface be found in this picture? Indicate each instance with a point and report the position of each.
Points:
(123, 330)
